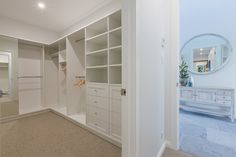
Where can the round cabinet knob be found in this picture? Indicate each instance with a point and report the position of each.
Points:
(95, 113)
(95, 102)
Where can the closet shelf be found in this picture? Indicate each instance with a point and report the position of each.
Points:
(98, 51)
(97, 36)
(115, 65)
(115, 47)
(116, 29)
(97, 67)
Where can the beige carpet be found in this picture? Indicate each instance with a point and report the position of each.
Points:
(49, 135)
(172, 153)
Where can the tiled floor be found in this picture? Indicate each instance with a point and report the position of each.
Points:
(204, 136)
(49, 135)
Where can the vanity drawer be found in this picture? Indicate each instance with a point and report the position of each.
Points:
(224, 93)
(226, 97)
(224, 102)
(101, 91)
(97, 124)
(115, 105)
(98, 113)
(101, 102)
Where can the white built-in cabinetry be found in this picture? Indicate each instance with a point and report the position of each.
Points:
(211, 101)
(103, 74)
(30, 76)
(78, 76)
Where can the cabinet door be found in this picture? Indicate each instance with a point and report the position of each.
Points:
(205, 95)
(187, 94)
(115, 112)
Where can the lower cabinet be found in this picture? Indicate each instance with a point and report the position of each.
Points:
(103, 111)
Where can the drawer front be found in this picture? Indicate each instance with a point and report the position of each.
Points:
(97, 124)
(187, 94)
(116, 132)
(115, 92)
(205, 96)
(98, 102)
(101, 91)
(224, 102)
(115, 105)
(224, 93)
(115, 119)
(98, 113)
(226, 97)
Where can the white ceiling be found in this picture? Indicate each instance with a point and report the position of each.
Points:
(57, 16)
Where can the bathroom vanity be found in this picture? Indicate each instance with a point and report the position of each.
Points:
(210, 101)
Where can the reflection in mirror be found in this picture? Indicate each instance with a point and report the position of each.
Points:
(5, 74)
(206, 53)
(8, 77)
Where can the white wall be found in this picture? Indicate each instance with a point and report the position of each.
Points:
(211, 16)
(152, 26)
(16, 29)
(94, 16)
(11, 45)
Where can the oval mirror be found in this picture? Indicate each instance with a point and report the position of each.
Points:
(206, 53)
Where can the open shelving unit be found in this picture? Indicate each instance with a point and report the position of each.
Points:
(104, 50)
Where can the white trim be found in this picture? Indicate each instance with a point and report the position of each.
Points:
(162, 150)
(20, 116)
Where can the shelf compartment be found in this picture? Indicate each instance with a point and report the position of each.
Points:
(115, 38)
(115, 56)
(62, 56)
(115, 20)
(97, 28)
(97, 75)
(97, 44)
(115, 74)
(97, 59)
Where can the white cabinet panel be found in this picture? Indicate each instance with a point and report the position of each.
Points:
(100, 102)
(187, 94)
(97, 124)
(98, 113)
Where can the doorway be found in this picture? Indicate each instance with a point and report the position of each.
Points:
(207, 91)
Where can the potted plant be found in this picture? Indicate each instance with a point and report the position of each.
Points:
(183, 73)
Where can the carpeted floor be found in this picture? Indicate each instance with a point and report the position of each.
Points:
(49, 135)
(172, 153)
(205, 136)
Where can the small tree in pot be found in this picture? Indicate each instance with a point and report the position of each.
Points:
(183, 73)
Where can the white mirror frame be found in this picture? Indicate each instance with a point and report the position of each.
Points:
(9, 55)
(219, 68)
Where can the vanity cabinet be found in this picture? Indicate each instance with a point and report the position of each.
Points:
(211, 101)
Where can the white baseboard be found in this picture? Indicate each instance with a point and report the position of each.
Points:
(20, 116)
(162, 150)
(170, 145)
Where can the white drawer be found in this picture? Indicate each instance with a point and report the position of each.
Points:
(226, 97)
(116, 132)
(97, 124)
(101, 102)
(224, 92)
(115, 105)
(97, 90)
(224, 102)
(115, 92)
(115, 119)
(98, 113)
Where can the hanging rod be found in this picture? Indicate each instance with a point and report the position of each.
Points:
(80, 77)
(79, 40)
(30, 77)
